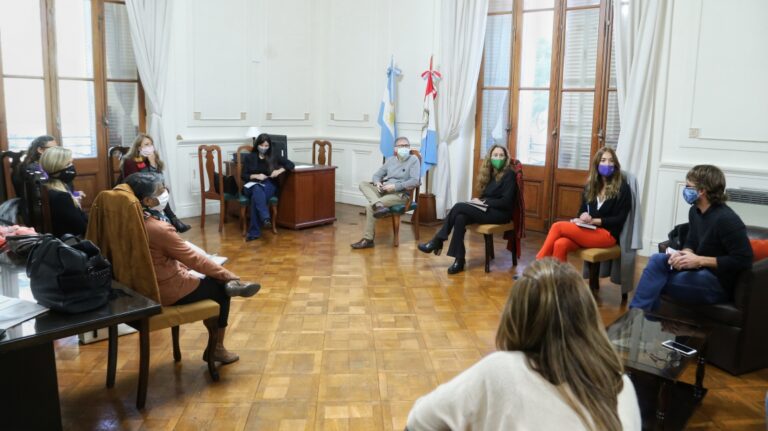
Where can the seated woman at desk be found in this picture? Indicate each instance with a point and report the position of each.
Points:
(142, 157)
(173, 258)
(66, 214)
(259, 173)
(605, 205)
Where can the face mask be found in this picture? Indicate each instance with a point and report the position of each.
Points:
(605, 170)
(402, 153)
(66, 175)
(162, 201)
(147, 151)
(262, 150)
(498, 163)
(690, 195)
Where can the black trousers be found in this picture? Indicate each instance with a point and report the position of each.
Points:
(210, 288)
(461, 215)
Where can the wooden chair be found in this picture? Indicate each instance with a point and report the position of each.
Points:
(212, 171)
(413, 204)
(11, 161)
(112, 211)
(487, 230)
(114, 157)
(593, 257)
(321, 146)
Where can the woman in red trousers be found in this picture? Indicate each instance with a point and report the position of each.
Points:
(605, 205)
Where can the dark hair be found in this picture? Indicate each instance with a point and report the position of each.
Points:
(710, 179)
(264, 137)
(144, 184)
(33, 155)
(487, 170)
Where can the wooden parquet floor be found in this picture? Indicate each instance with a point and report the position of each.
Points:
(337, 339)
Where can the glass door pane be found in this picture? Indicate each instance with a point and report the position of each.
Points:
(580, 54)
(536, 49)
(498, 52)
(121, 63)
(21, 38)
(122, 113)
(495, 119)
(575, 140)
(24, 111)
(612, 123)
(78, 114)
(533, 118)
(74, 39)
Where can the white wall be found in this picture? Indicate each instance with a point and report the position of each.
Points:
(714, 111)
(316, 69)
(308, 69)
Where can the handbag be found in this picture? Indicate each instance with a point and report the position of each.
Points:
(68, 274)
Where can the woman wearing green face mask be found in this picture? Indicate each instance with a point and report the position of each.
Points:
(497, 189)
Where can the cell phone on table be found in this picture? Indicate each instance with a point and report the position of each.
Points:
(679, 347)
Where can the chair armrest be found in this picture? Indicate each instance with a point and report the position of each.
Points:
(663, 246)
(751, 290)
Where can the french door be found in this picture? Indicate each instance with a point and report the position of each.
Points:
(559, 103)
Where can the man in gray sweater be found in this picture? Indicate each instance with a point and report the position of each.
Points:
(390, 186)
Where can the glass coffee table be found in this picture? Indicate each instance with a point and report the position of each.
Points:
(665, 402)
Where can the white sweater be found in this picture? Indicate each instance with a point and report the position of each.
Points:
(501, 392)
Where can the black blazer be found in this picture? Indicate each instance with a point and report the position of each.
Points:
(66, 217)
(613, 212)
(252, 164)
(500, 195)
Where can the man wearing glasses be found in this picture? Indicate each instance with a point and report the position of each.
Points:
(390, 186)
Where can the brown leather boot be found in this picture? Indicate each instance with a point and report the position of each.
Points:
(221, 354)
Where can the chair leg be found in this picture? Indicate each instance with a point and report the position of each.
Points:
(488, 251)
(396, 229)
(594, 275)
(222, 214)
(202, 214)
(243, 223)
(415, 223)
(175, 338)
(141, 396)
(514, 255)
(273, 215)
(112, 356)
(212, 325)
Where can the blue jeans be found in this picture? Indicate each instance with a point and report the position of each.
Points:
(260, 194)
(693, 287)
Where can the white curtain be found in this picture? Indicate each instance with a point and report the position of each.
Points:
(462, 31)
(641, 34)
(150, 23)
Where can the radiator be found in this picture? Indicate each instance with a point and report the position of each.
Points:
(750, 204)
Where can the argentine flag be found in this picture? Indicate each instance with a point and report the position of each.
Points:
(429, 129)
(387, 113)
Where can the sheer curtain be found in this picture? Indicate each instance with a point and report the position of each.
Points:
(462, 28)
(642, 32)
(150, 24)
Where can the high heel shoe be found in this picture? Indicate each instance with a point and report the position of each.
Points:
(433, 246)
(456, 267)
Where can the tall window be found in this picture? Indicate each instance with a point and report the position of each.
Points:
(548, 93)
(68, 70)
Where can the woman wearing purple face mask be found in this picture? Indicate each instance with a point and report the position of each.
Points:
(605, 205)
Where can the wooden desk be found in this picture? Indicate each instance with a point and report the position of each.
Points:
(30, 384)
(308, 197)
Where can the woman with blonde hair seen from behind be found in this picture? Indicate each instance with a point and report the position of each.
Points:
(555, 368)
(143, 157)
(605, 205)
(66, 214)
